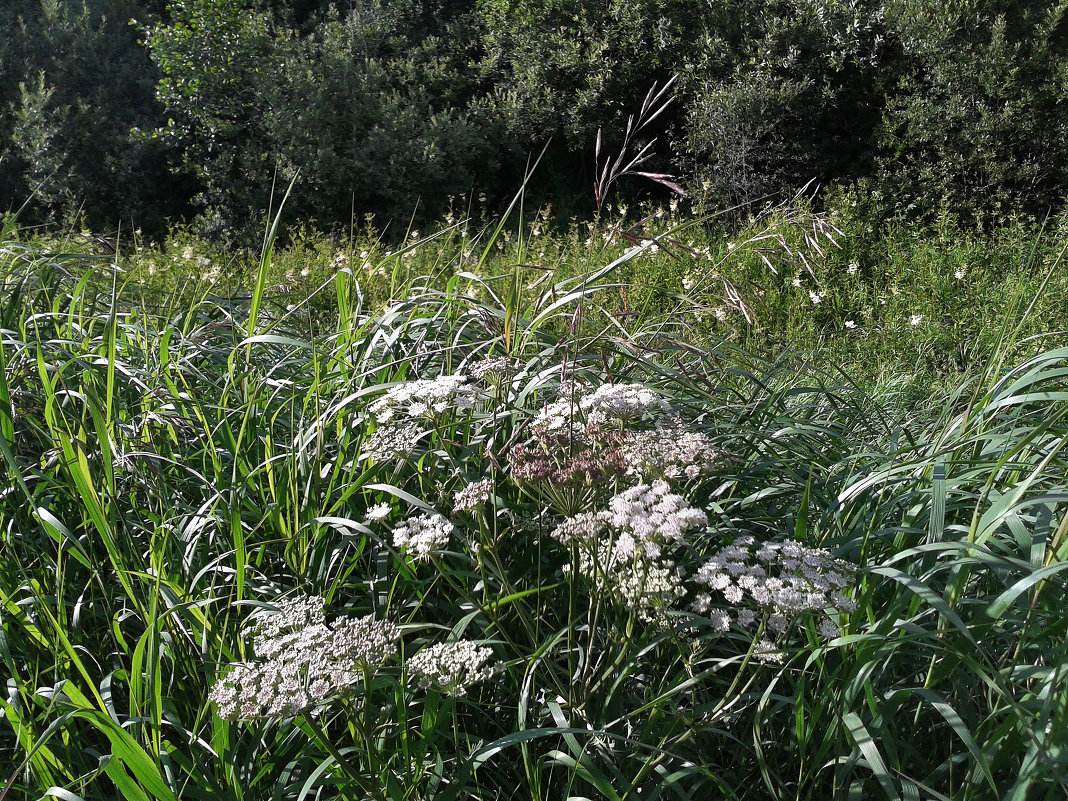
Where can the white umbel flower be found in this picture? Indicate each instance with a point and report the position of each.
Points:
(473, 495)
(423, 536)
(425, 398)
(451, 667)
(303, 663)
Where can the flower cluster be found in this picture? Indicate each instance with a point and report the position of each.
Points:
(303, 662)
(451, 667)
(669, 451)
(555, 462)
(649, 516)
(651, 586)
(781, 579)
(492, 370)
(423, 536)
(391, 441)
(473, 495)
(425, 398)
(624, 402)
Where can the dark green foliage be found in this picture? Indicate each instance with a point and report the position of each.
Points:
(76, 85)
(392, 108)
(976, 121)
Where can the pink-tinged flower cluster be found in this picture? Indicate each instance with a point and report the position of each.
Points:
(473, 495)
(556, 461)
(650, 516)
(669, 451)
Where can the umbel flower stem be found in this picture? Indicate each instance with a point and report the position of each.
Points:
(315, 730)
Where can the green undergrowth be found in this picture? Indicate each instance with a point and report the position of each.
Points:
(503, 529)
(896, 307)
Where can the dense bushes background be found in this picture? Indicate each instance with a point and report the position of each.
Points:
(143, 112)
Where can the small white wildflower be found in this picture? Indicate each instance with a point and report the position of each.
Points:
(652, 516)
(473, 495)
(915, 320)
(796, 282)
(391, 440)
(451, 667)
(959, 274)
(423, 536)
(815, 297)
(669, 451)
(622, 402)
(426, 397)
(853, 267)
(377, 513)
(850, 324)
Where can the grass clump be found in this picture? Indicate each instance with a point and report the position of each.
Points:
(483, 540)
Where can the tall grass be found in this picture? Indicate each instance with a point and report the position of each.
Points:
(172, 473)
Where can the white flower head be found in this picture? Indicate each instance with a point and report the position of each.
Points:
(473, 495)
(377, 513)
(452, 667)
(423, 536)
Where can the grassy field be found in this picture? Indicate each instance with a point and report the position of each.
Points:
(537, 509)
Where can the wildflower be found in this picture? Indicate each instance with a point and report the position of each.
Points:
(649, 585)
(796, 282)
(623, 402)
(669, 451)
(492, 370)
(452, 667)
(425, 398)
(850, 324)
(852, 268)
(649, 516)
(473, 495)
(377, 513)
(915, 320)
(302, 663)
(783, 580)
(423, 536)
(815, 297)
(391, 441)
(959, 274)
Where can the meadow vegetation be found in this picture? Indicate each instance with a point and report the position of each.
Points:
(653, 507)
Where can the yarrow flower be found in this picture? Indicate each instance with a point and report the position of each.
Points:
(303, 663)
(473, 495)
(451, 667)
(423, 536)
